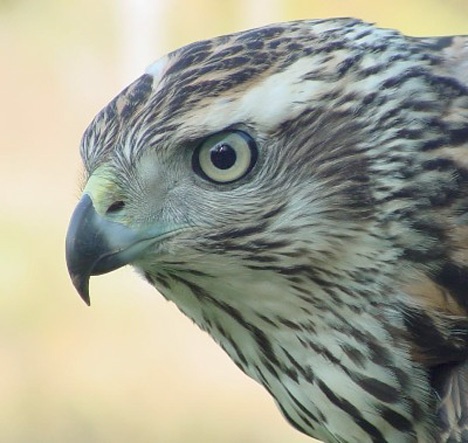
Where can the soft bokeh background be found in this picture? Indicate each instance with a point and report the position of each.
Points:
(131, 368)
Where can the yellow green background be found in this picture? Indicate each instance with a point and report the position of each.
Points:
(131, 368)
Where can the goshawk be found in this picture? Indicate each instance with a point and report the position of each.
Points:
(300, 192)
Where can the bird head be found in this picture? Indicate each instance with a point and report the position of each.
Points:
(224, 157)
(220, 157)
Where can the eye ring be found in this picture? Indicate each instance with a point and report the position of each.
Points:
(225, 157)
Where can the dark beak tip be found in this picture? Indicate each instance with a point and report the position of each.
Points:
(81, 284)
(86, 299)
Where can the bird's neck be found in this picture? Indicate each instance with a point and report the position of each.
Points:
(320, 349)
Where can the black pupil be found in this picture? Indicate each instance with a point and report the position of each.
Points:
(223, 156)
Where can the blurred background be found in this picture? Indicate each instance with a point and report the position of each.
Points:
(131, 367)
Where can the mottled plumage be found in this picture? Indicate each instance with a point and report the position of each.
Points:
(300, 191)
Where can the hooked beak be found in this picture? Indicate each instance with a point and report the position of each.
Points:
(96, 245)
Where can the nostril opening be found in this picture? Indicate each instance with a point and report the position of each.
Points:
(115, 207)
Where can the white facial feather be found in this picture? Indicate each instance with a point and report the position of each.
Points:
(157, 71)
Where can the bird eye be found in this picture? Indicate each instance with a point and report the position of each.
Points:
(225, 157)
